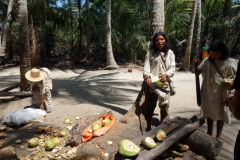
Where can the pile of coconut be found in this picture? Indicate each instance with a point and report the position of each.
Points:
(127, 148)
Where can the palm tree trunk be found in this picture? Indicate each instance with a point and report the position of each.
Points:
(79, 23)
(88, 51)
(111, 63)
(25, 62)
(6, 29)
(186, 62)
(197, 43)
(157, 16)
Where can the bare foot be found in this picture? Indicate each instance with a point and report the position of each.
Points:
(166, 120)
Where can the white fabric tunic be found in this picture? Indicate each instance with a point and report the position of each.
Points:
(211, 91)
(153, 66)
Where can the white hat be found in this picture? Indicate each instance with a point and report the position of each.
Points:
(34, 75)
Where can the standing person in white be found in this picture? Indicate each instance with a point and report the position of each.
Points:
(160, 64)
(41, 87)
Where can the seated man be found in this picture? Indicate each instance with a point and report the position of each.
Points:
(41, 87)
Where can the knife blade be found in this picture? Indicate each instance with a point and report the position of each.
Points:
(197, 85)
(159, 88)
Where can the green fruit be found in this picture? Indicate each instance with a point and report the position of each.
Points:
(176, 154)
(105, 121)
(160, 135)
(33, 142)
(127, 148)
(67, 120)
(55, 140)
(62, 134)
(159, 83)
(182, 147)
(3, 135)
(96, 126)
(49, 145)
(148, 143)
(164, 154)
(227, 83)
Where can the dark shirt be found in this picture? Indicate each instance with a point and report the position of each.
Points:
(236, 84)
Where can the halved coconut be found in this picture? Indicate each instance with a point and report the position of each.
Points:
(49, 145)
(227, 83)
(40, 129)
(178, 158)
(164, 154)
(182, 147)
(48, 129)
(1, 144)
(105, 121)
(3, 127)
(33, 142)
(127, 148)
(94, 158)
(55, 140)
(148, 142)
(160, 135)
(3, 135)
(67, 120)
(96, 126)
(62, 134)
(176, 154)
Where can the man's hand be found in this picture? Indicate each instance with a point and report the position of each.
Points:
(163, 77)
(148, 81)
(227, 100)
(42, 107)
(195, 60)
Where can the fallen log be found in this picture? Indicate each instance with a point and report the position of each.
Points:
(10, 88)
(20, 94)
(136, 122)
(153, 153)
(204, 144)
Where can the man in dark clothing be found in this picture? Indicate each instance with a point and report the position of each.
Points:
(233, 101)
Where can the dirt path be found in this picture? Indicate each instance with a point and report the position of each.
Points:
(80, 92)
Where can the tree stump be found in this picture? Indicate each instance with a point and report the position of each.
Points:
(134, 123)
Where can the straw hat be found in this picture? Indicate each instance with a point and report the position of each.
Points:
(34, 75)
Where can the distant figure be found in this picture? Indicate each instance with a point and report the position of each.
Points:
(233, 101)
(160, 64)
(41, 87)
(211, 91)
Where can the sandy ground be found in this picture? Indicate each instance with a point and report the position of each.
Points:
(81, 92)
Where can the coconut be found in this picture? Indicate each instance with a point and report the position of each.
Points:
(55, 140)
(39, 129)
(160, 135)
(164, 154)
(3, 135)
(105, 121)
(182, 147)
(1, 144)
(96, 126)
(33, 142)
(48, 129)
(3, 127)
(227, 83)
(148, 143)
(49, 145)
(62, 134)
(159, 83)
(94, 158)
(67, 120)
(127, 148)
(176, 154)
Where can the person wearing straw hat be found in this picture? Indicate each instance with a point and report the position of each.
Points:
(41, 87)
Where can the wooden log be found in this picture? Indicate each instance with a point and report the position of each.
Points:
(10, 88)
(153, 153)
(20, 94)
(204, 144)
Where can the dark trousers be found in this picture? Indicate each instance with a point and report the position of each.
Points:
(237, 147)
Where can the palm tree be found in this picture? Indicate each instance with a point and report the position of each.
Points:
(157, 16)
(88, 50)
(6, 29)
(25, 63)
(197, 41)
(186, 62)
(111, 63)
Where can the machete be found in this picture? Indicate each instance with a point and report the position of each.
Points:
(197, 85)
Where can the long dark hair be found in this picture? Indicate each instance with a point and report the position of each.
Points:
(219, 46)
(167, 42)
